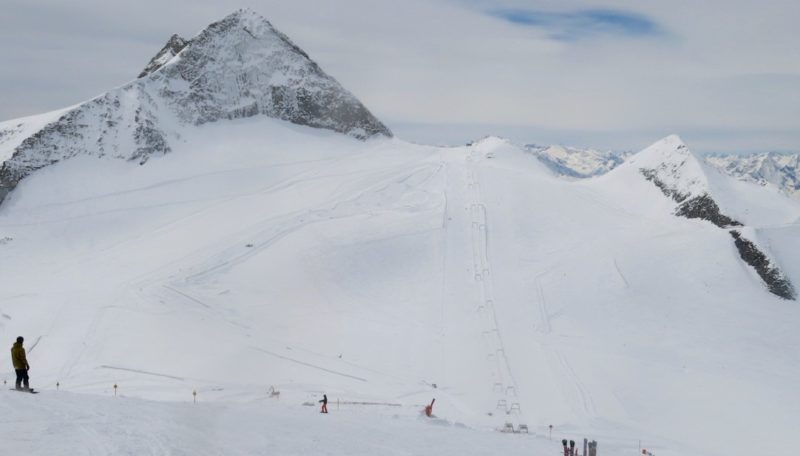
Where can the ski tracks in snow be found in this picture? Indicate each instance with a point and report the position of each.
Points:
(543, 326)
(400, 188)
(506, 385)
(574, 390)
(573, 387)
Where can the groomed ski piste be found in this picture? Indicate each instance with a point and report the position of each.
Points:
(260, 255)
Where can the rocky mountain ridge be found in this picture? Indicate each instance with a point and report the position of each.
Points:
(174, 45)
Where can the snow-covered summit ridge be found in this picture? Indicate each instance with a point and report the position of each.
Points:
(174, 45)
(512, 155)
(700, 192)
(240, 66)
(689, 180)
(488, 142)
(673, 167)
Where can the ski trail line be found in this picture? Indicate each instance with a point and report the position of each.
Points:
(303, 363)
(139, 371)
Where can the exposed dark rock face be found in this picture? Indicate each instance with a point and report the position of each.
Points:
(699, 207)
(170, 50)
(704, 207)
(776, 281)
(652, 176)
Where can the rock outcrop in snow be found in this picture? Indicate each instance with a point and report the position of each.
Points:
(671, 166)
(238, 67)
(777, 282)
(704, 207)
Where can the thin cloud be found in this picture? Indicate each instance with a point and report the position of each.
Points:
(576, 25)
(614, 74)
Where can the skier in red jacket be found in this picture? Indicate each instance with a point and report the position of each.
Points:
(324, 402)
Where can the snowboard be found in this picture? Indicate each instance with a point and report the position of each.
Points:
(31, 390)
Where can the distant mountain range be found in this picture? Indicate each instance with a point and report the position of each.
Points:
(764, 168)
(779, 169)
(576, 162)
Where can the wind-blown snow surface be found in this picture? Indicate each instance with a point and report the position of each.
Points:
(260, 253)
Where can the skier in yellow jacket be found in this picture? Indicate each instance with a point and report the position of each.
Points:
(21, 365)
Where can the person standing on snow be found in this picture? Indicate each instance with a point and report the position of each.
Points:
(324, 402)
(21, 365)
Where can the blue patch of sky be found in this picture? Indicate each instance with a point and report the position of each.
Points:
(576, 25)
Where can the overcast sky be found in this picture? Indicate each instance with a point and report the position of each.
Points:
(724, 74)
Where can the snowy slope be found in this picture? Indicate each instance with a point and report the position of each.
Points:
(260, 253)
(265, 426)
(237, 67)
(253, 252)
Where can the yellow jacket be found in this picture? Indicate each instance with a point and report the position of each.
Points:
(18, 356)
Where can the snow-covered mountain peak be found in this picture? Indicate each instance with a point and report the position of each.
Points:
(246, 14)
(242, 21)
(671, 150)
(671, 165)
(703, 191)
(699, 192)
(240, 66)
